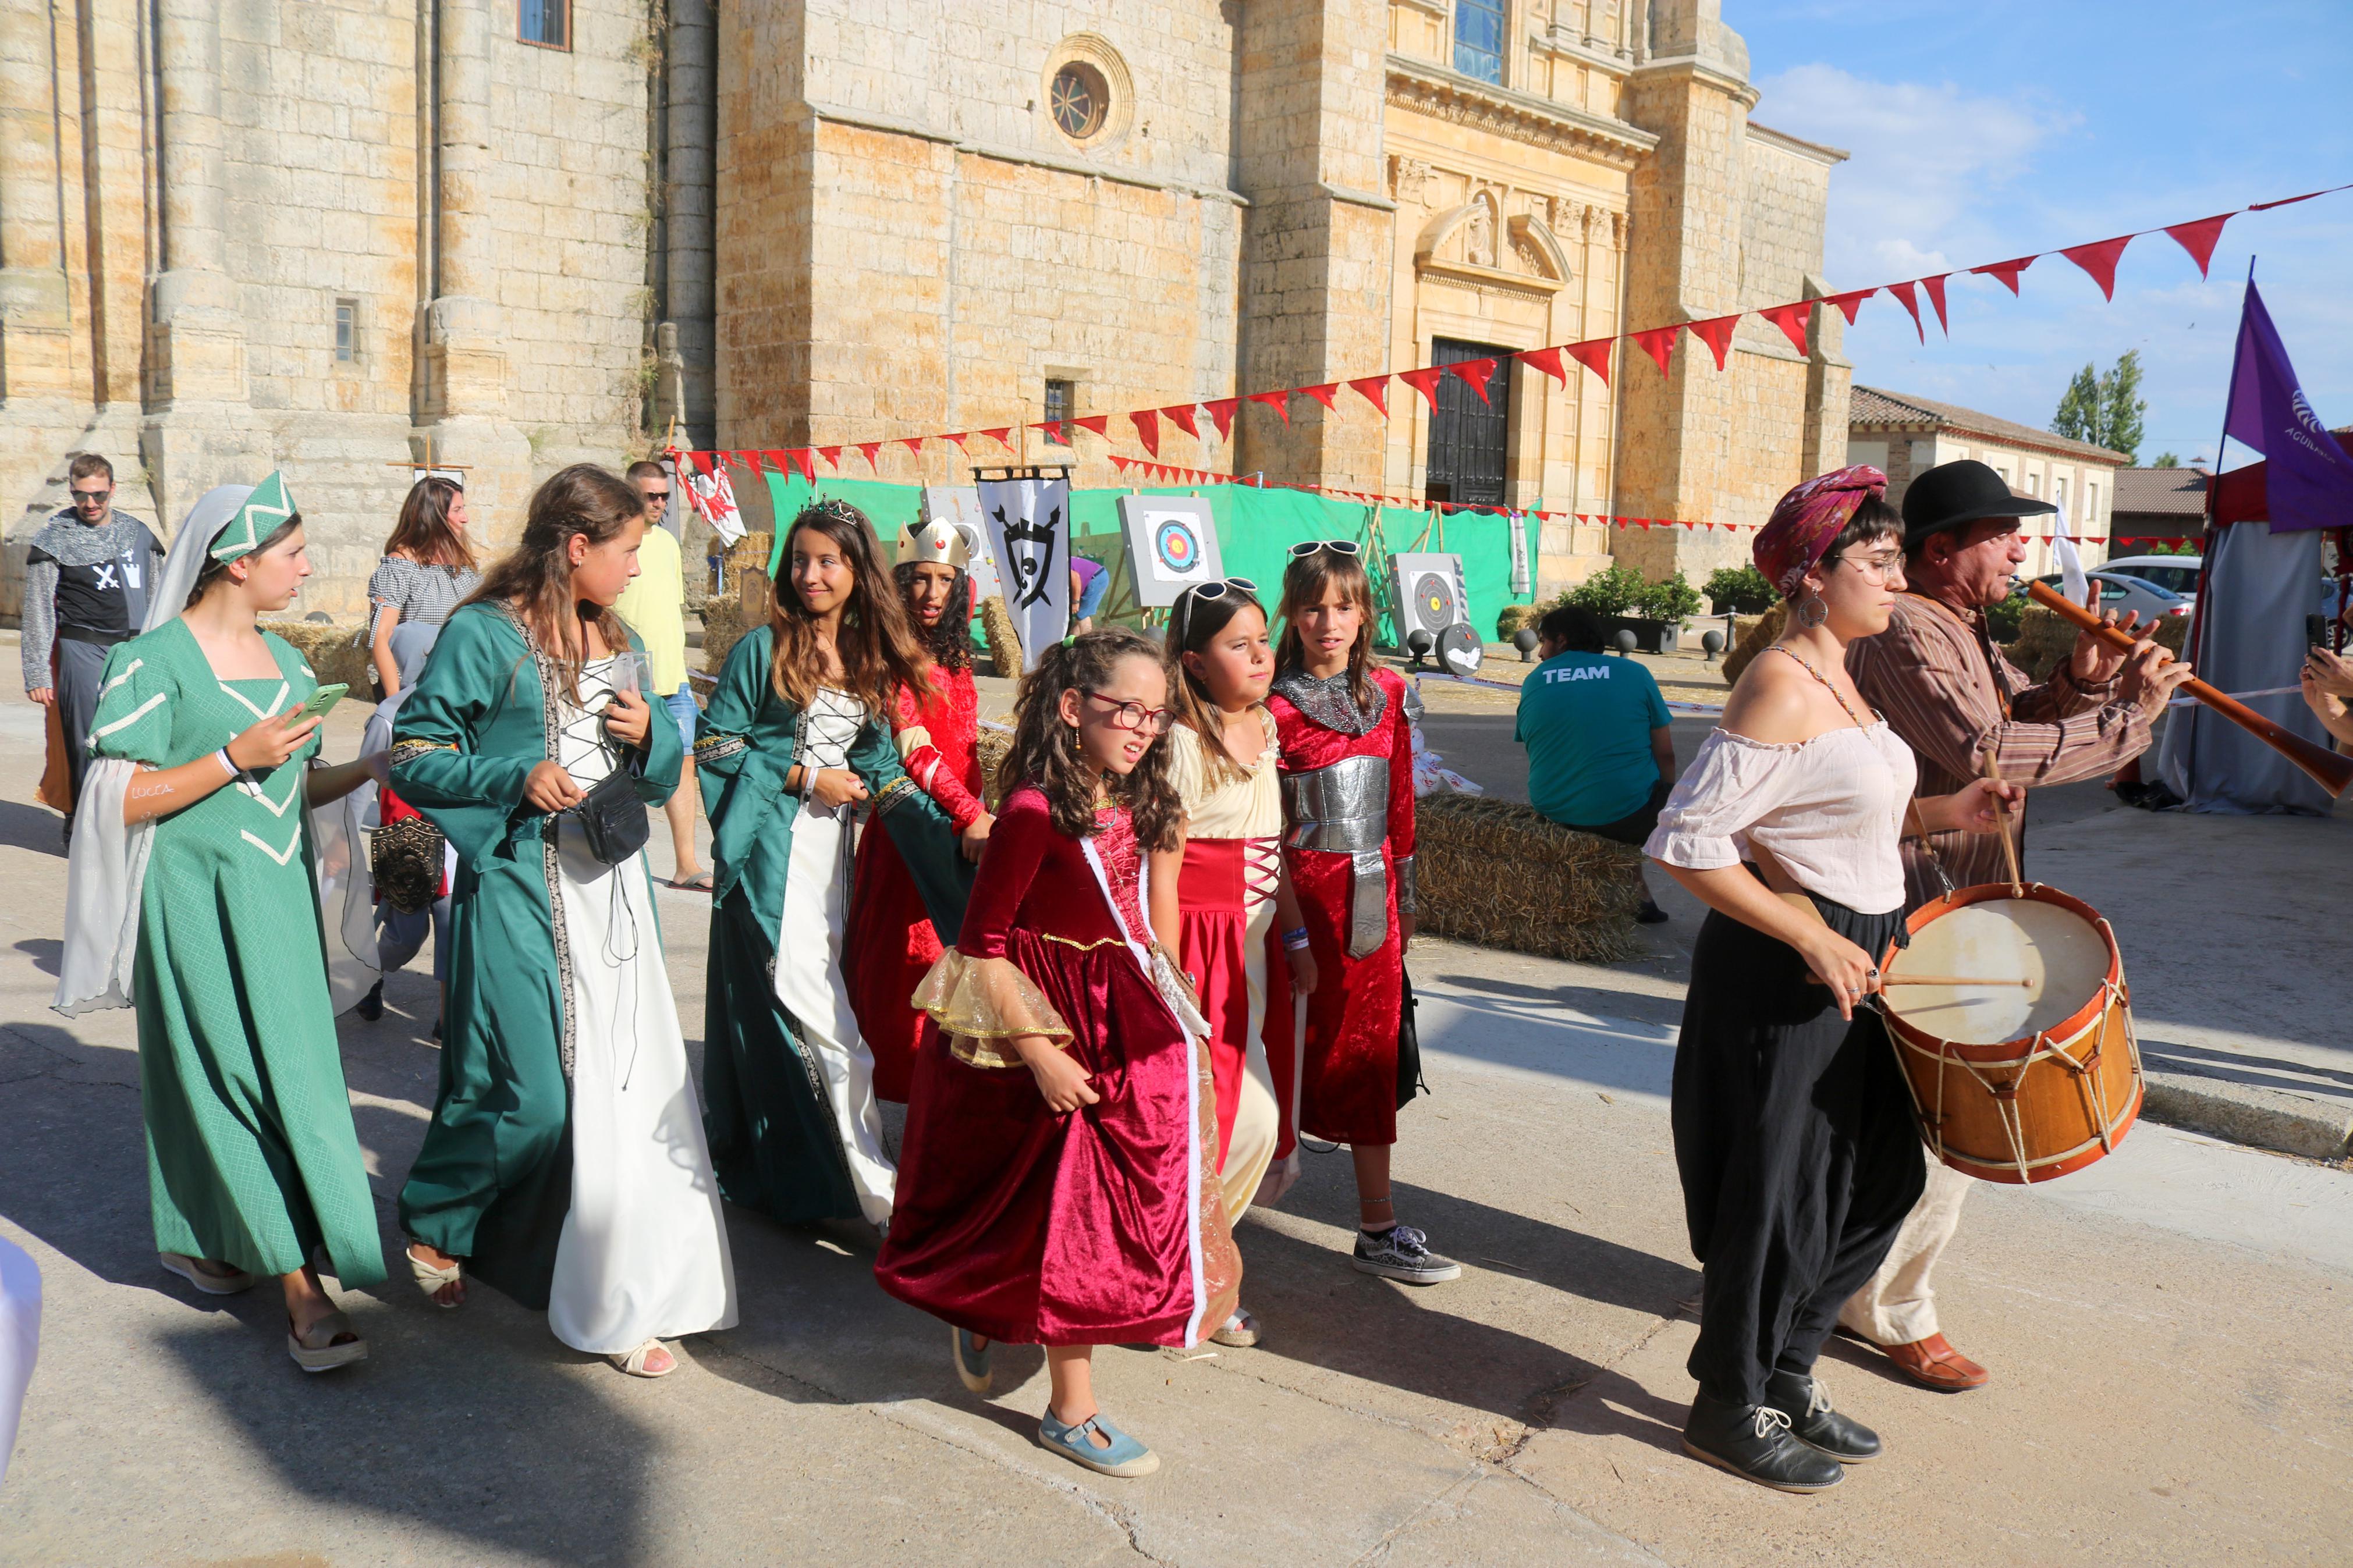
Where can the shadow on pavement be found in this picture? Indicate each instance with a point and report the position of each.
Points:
(2240, 1067)
(46, 953)
(33, 827)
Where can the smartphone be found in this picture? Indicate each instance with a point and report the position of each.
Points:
(322, 702)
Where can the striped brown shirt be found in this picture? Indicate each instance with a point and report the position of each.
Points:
(1945, 689)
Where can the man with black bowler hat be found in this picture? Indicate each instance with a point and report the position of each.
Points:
(1947, 689)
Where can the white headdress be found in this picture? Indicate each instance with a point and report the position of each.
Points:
(942, 541)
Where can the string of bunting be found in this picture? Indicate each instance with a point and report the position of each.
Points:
(2097, 259)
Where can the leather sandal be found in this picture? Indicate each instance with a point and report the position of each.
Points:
(329, 1343)
(634, 1363)
(212, 1278)
(1933, 1363)
(432, 1278)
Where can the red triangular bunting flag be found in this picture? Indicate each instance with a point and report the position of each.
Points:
(1593, 355)
(1547, 361)
(2099, 259)
(1324, 395)
(1098, 422)
(1475, 373)
(1936, 287)
(1054, 431)
(832, 456)
(1908, 294)
(1183, 414)
(2198, 238)
(2007, 271)
(1278, 401)
(1375, 390)
(1002, 436)
(2291, 201)
(1791, 320)
(1147, 429)
(744, 460)
(873, 450)
(804, 462)
(1425, 381)
(958, 437)
(1221, 414)
(1658, 342)
(1716, 333)
(1849, 303)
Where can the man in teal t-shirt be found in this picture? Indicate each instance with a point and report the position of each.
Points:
(1601, 758)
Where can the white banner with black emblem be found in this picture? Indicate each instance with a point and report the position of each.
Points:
(1028, 523)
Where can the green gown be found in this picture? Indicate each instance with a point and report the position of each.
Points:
(775, 1143)
(493, 1180)
(251, 1156)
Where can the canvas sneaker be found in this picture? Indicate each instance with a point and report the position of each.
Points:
(1403, 1253)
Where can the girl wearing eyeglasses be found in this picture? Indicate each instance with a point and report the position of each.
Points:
(1347, 803)
(1219, 897)
(1075, 1202)
(796, 739)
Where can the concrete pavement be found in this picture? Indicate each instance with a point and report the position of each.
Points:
(2166, 1331)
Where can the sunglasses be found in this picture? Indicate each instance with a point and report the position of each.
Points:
(1218, 590)
(91, 495)
(1132, 715)
(1308, 547)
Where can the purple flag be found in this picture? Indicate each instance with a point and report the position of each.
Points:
(2307, 476)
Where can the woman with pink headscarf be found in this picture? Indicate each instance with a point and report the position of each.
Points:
(1793, 1130)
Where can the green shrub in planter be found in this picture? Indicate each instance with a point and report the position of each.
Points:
(2002, 620)
(1669, 601)
(1614, 590)
(1742, 590)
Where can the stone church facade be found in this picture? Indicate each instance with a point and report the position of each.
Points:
(332, 235)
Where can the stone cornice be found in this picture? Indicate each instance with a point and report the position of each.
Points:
(1487, 279)
(1814, 150)
(1706, 71)
(1425, 88)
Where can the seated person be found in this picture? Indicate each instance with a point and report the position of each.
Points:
(1601, 757)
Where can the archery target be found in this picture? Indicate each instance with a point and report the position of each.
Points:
(1175, 544)
(1434, 602)
(1172, 543)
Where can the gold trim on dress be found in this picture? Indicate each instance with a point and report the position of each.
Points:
(980, 1002)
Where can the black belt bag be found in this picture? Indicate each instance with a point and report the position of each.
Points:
(613, 817)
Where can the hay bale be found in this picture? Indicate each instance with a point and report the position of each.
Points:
(333, 651)
(1004, 642)
(1515, 616)
(990, 748)
(2044, 640)
(1571, 895)
(742, 601)
(1757, 633)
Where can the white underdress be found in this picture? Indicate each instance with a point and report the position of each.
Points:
(809, 956)
(643, 1253)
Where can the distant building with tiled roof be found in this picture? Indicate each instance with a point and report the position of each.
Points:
(2157, 503)
(1903, 436)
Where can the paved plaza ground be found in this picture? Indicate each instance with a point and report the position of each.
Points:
(2167, 1331)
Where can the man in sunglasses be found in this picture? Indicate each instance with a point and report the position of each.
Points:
(86, 582)
(654, 607)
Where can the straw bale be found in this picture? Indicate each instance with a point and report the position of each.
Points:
(742, 601)
(990, 748)
(2044, 639)
(1757, 633)
(1513, 616)
(1569, 894)
(1004, 642)
(332, 650)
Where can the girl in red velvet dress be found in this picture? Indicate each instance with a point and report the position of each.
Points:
(1075, 1203)
(1347, 806)
(891, 945)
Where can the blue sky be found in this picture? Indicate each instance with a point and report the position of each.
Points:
(1988, 129)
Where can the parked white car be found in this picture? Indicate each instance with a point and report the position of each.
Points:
(2176, 573)
(2121, 592)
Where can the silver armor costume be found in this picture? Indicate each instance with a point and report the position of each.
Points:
(1344, 809)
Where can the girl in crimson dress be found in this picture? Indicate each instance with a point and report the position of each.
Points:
(1348, 799)
(1074, 1204)
(891, 944)
(1221, 898)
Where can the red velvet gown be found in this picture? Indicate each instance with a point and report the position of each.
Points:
(1342, 1085)
(891, 945)
(1101, 1226)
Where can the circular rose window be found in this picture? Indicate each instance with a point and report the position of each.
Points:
(1079, 99)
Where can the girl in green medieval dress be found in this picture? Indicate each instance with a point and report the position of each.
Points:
(205, 839)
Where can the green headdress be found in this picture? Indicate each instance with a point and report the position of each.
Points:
(265, 512)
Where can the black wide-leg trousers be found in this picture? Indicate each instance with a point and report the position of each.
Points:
(1794, 1140)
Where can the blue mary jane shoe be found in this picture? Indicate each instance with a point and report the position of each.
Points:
(1125, 1458)
(971, 1359)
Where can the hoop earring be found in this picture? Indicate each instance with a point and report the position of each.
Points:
(1812, 612)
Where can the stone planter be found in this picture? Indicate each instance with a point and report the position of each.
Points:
(1649, 636)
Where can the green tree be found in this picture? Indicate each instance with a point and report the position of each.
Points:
(2122, 406)
(2166, 460)
(2078, 418)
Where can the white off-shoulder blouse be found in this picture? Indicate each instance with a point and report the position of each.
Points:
(1830, 809)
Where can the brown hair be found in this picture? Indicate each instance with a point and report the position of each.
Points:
(646, 468)
(1045, 751)
(85, 464)
(214, 572)
(1305, 583)
(948, 640)
(533, 580)
(1191, 625)
(880, 651)
(423, 532)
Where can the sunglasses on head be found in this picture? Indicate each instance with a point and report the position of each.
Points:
(1218, 590)
(1308, 547)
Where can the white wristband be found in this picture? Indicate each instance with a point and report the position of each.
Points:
(233, 768)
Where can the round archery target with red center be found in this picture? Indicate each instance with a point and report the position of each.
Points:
(1175, 543)
(1433, 596)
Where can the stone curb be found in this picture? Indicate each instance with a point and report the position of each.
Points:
(2285, 1123)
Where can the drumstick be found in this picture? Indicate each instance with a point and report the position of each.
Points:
(2009, 850)
(1946, 980)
